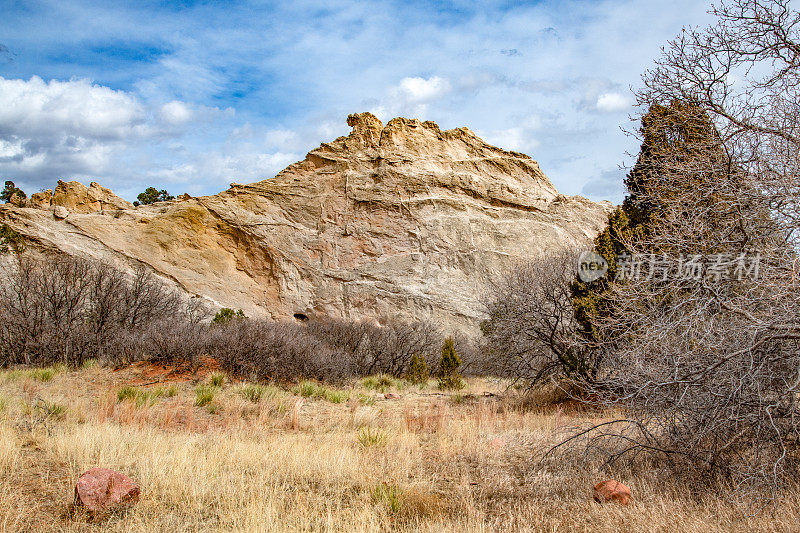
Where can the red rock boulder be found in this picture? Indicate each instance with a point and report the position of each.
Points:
(610, 490)
(101, 489)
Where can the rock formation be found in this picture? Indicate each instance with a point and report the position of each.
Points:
(78, 198)
(403, 219)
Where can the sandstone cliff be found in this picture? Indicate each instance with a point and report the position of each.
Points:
(402, 219)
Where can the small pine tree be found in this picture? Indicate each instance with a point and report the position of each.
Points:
(418, 372)
(11, 241)
(226, 314)
(449, 378)
(152, 195)
(10, 190)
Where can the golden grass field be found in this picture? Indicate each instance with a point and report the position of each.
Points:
(252, 458)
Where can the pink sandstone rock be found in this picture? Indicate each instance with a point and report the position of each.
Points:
(100, 489)
(611, 490)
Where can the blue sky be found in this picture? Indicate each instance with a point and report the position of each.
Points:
(193, 95)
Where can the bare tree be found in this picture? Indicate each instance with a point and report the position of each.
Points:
(531, 329)
(704, 354)
(64, 309)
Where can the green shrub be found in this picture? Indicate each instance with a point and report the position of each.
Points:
(204, 395)
(368, 437)
(390, 495)
(144, 397)
(449, 378)
(12, 375)
(457, 399)
(306, 389)
(335, 396)
(52, 410)
(10, 190)
(217, 379)
(42, 374)
(226, 314)
(11, 240)
(127, 393)
(381, 383)
(152, 195)
(44, 409)
(365, 399)
(253, 392)
(418, 372)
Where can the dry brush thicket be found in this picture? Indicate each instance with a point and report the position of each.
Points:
(65, 310)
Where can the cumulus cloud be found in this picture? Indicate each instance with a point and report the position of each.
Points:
(51, 128)
(415, 90)
(613, 103)
(176, 113)
(243, 165)
(72, 108)
(411, 96)
(77, 129)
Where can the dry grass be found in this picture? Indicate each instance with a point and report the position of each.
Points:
(274, 461)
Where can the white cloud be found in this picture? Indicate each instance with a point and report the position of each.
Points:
(242, 165)
(514, 139)
(410, 97)
(176, 113)
(415, 90)
(280, 138)
(613, 103)
(77, 129)
(51, 129)
(75, 107)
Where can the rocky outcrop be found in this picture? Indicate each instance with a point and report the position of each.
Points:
(41, 200)
(78, 198)
(397, 219)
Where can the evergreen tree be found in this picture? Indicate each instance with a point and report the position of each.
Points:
(418, 372)
(680, 149)
(226, 314)
(11, 240)
(152, 195)
(449, 378)
(10, 190)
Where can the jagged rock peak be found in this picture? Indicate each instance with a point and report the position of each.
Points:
(367, 128)
(413, 138)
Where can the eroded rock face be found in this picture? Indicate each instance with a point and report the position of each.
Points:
(41, 200)
(397, 219)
